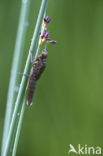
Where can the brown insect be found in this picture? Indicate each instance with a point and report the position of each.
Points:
(38, 66)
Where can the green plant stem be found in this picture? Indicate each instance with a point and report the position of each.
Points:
(24, 79)
(37, 52)
(21, 115)
(16, 64)
(19, 127)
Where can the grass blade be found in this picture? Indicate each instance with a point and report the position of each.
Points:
(16, 64)
(24, 79)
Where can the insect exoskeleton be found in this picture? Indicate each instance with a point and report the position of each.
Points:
(38, 66)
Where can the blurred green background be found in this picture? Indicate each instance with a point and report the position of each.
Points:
(68, 104)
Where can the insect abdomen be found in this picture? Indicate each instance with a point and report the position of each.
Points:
(31, 89)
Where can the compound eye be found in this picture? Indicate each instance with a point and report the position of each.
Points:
(44, 51)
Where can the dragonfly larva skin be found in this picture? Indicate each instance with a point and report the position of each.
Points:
(37, 69)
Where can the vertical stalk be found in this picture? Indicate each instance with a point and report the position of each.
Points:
(37, 52)
(24, 79)
(16, 64)
(19, 127)
(23, 107)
